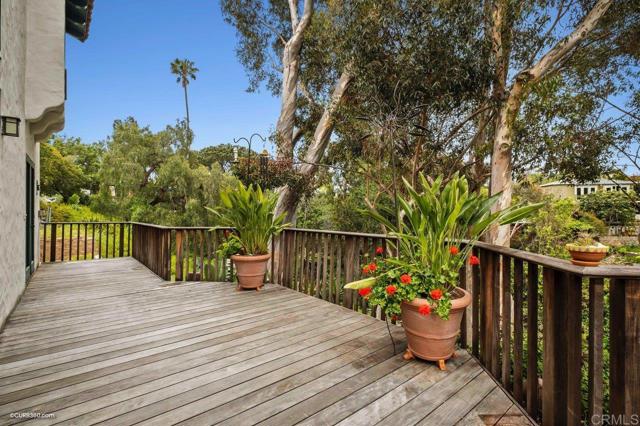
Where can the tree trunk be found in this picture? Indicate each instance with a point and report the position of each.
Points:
(290, 75)
(186, 104)
(501, 162)
(288, 197)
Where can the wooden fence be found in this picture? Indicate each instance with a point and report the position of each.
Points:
(540, 325)
(181, 253)
(526, 322)
(64, 241)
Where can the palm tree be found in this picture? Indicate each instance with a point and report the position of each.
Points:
(185, 70)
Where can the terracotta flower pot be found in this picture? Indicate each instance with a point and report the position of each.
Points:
(250, 270)
(587, 255)
(428, 336)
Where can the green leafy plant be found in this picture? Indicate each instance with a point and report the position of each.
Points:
(612, 207)
(439, 228)
(249, 211)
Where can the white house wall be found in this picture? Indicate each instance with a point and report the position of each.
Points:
(40, 107)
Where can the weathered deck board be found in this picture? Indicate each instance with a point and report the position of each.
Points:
(109, 342)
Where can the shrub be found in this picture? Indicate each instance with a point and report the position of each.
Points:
(613, 207)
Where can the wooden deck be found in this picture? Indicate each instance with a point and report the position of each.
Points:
(109, 342)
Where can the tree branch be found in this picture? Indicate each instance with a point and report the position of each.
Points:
(293, 11)
(564, 46)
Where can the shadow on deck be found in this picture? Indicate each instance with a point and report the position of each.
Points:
(108, 341)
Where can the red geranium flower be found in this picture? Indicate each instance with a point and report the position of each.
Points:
(364, 292)
(391, 290)
(473, 260)
(436, 294)
(373, 267)
(366, 269)
(424, 310)
(405, 278)
(453, 250)
(379, 250)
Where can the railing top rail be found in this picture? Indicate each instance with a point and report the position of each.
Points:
(179, 228)
(44, 222)
(603, 271)
(352, 234)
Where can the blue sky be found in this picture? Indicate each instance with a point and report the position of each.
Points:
(123, 70)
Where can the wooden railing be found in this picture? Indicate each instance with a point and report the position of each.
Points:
(64, 241)
(181, 253)
(319, 263)
(541, 326)
(525, 325)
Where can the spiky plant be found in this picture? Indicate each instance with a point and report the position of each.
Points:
(249, 211)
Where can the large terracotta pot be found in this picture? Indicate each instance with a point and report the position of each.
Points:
(250, 270)
(430, 337)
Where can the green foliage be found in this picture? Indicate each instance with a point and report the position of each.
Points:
(74, 200)
(58, 174)
(62, 212)
(184, 70)
(612, 207)
(249, 212)
(435, 237)
(548, 230)
(155, 177)
(87, 156)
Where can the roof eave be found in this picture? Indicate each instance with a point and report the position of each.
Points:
(78, 18)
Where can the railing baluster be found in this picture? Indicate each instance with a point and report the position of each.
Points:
(475, 308)
(121, 247)
(78, 242)
(70, 240)
(518, 280)
(596, 332)
(532, 339)
(44, 243)
(462, 283)
(54, 242)
(62, 244)
(562, 348)
(506, 322)
(625, 347)
(178, 255)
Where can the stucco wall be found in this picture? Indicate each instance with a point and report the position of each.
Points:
(13, 152)
(560, 191)
(15, 81)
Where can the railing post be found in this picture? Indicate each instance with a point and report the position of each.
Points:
(562, 355)
(625, 348)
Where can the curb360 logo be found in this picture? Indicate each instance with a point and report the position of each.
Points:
(616, 419)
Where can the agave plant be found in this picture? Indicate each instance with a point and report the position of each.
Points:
(439, 226)
(250, 212)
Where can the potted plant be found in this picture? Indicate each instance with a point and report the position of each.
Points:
(249, 211)
(434, 240)
(586, 251)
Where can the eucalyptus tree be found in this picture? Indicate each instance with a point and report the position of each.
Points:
(185, 70)
(272, 48)
(576, 45)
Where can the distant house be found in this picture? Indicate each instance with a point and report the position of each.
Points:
(576, 190)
